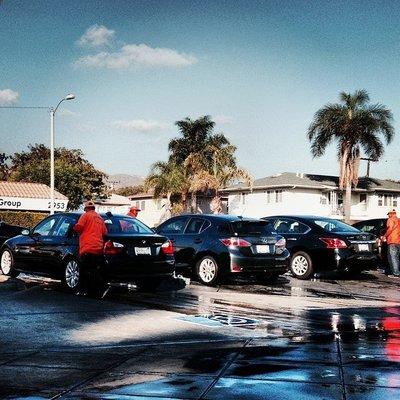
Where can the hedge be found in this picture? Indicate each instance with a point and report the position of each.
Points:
(27, 219)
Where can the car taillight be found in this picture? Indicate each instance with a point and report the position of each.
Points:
(281, 242)
(235, 242)
(167, 247)
(334, 243)
(113, 248)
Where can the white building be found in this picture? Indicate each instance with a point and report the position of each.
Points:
(291, 193)
(115, 203)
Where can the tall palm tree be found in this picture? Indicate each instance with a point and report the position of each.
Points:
(356, 126)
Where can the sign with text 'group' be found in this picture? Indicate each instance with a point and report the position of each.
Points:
(27, 204)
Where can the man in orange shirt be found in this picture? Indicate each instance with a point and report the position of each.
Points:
(92, 230)
(392, 237)
(133, 212)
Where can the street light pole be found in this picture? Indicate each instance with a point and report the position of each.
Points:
(52, 178)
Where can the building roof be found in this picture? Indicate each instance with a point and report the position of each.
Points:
(314, 181)
(28, 190)
(114, 200)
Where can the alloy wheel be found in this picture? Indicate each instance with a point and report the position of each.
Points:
(6, 262)
(72, 274)
(300, 265)
(207, 270)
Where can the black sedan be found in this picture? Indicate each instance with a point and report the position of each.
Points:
(8, 231)
(319, 243)
(215, 245)
(132, 252)
(377, 227)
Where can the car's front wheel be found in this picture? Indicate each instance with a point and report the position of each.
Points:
(301, 265)
(207, 271)
(7, 263)
(72, 278)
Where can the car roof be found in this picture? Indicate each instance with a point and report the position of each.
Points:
(219, 217)
(303, 217)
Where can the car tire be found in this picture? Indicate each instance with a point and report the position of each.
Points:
(7, 263)
(301, 265)
(207, 271)
(72, 276)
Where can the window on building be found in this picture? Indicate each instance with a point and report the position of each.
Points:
(268, 196)
(387, 200)
(363, 198)
(380, 200)
(243, 195)
(278, 196)
(143, 205)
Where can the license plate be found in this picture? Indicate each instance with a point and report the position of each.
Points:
(140, 251)
(262, 248)
(363, 247)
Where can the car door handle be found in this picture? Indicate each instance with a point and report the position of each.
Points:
(198, 240)
(291, 238)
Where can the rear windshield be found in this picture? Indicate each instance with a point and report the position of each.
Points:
(250, 228)
(126, 225)
(332, 225)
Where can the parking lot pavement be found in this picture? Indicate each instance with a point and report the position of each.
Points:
(330, 338)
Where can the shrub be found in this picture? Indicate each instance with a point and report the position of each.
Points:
(27, 219)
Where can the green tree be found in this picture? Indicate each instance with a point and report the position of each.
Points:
(4, 167)
(167, 179)
(355, 125)
(75, 177)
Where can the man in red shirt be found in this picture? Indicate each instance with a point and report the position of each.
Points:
(392, 237)
(92, 230)
(133, 212)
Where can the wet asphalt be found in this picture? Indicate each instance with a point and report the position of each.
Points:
(329, 338)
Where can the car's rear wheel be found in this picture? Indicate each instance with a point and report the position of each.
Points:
(207, 271)
(72, 278)
(7, 264)
(301, 265)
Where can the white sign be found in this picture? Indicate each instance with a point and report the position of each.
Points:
(27, 204)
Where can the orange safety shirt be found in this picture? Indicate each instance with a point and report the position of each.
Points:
(393, 230)
(91, 229)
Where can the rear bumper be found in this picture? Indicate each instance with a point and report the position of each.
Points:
(278, 263)
(359, 262)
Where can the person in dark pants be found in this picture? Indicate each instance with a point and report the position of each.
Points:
(92, 230)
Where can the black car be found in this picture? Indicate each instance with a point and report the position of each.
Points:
(215, 245)
(319, 243)
(8, 231)
(377, 227)
(132, 252)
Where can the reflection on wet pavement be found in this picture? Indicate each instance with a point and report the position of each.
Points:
(322, 339)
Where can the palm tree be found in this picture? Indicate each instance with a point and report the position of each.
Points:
(355, 125)
(166, 179)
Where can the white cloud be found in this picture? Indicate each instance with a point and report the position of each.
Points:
(68, 113)
(136, 55)
(223, 119)
(140, 125)
(8, 97)
(85, 128)
(96, 35)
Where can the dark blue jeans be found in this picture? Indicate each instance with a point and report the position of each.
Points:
(393, 258)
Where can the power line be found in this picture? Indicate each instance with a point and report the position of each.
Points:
(25, 107)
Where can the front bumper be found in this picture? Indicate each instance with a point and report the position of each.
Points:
(278, 263)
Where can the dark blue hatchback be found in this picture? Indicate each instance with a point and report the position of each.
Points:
(211, 246)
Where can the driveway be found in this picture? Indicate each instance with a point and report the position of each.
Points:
(330, 338)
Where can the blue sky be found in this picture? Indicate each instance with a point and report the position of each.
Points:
(259, 68)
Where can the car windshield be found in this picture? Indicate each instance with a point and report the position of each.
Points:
(125, 225)
(334, 226)
(250, 228)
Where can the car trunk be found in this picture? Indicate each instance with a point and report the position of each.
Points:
(360, 242)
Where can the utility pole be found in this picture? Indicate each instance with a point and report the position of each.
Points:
(368, 163)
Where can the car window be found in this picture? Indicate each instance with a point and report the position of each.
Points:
(126, 225)
(194, 226)
(175, 226)
(250, 228)
(225, 229)
(290, 226)
(45, 227)
(366, 228)
(64, 226)
(334, 226)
